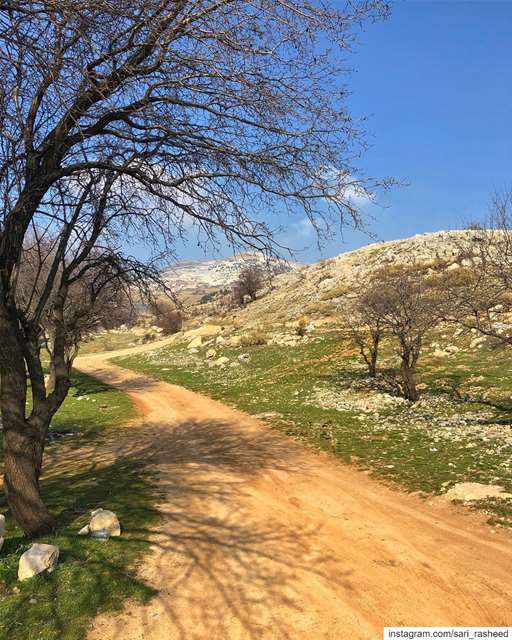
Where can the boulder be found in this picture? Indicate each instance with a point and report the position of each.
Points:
(195, 342)
(39, 558)
(104, 524)
(205, 331)
(451, 348)
(2, 530)
(471, 491)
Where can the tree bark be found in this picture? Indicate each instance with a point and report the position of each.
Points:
(23, 455)
(23, 440)
(409, 382)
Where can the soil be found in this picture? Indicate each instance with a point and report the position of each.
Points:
(263, 539)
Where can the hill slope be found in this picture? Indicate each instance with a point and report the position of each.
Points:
(317, 289)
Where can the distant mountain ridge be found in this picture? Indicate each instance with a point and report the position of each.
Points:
(194, 274)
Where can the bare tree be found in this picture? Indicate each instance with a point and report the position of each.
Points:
(481, 289)
(148, 117)
(167, 316)
(412, 306)
(250, 280)
(365, 316)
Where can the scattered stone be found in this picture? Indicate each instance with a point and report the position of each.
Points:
(477, 342)
(268, 415)
(451, 348)
(195, 342)
(39, 558)
(223, 360)
(104, 524)
(243, 357)
(470, 491)
(211, 353)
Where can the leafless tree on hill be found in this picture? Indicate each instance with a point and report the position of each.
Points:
(412, 305)
(138, 120)
(481, 289)
(364, 317)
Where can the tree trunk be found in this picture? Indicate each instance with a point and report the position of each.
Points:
(23, 440)
(372, 365)
(409, 382)
(23, 454)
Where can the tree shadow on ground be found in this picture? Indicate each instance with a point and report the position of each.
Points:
(215, 562)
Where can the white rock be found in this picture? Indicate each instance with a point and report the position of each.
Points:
(205, 331)
(470, 491)
(451, 348)
(104, 524)
(221, 361)
(39, 558)
(211, 353)
(84, 531)
(2, 530)
(195, 342)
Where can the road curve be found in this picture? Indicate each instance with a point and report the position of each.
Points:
(263, 539)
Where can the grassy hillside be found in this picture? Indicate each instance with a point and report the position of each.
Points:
(92, 575)
(317, 390)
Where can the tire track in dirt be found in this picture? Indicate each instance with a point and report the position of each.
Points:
(263, 539)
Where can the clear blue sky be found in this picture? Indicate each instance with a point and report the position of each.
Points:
(435, 82)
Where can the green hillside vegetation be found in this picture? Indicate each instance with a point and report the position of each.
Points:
(318, 391)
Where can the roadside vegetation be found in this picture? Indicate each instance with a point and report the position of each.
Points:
(318, 391)
(92, 575)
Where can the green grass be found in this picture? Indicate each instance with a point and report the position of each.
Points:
(92, 575)
(425, 447)
(109, 341)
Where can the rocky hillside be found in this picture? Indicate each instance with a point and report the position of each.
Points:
(194, 275)
(316, 290)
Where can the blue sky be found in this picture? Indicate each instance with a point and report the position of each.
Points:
(434, 81)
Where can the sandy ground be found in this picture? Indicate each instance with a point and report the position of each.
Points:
(262, 538)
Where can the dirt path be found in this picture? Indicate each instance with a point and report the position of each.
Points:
(264, 539)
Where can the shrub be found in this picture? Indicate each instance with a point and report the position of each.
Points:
(302, 327)
(167, 317)
(253, 339)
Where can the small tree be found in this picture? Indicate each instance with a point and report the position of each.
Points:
(481, 289)
(411, 306)
(167, 316)
(142, 119)
(250, 281)
(365, 319)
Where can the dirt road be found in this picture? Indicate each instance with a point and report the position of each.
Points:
(264, 539)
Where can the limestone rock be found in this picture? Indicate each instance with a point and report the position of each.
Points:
(211, 353)
(39, 558)
(223, 360)
(205, 331)
(470, 491)
(195, 342)
(104, 524)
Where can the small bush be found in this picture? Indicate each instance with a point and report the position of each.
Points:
(253, 339)
(302, 327)
(168, 318)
